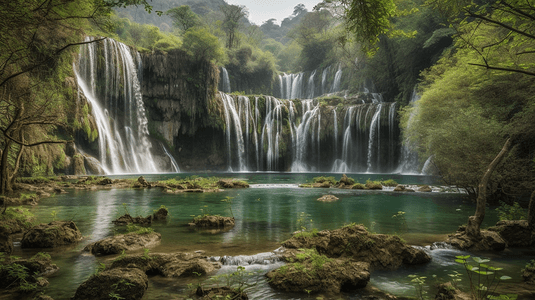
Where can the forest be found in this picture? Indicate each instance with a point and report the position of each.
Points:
(456, 81)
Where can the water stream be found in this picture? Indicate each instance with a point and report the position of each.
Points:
(266, 214)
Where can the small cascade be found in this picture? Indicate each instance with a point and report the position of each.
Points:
(427, 165)
(272, 132)
(305, 136)
(224, 81)
(375, 133)
(324, 80)
(409, 163)
(232, 119)
(311, 86)
(176, 169)
(337, 79)
(266, 258)
(107, 75)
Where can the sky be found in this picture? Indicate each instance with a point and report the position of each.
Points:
(263, 10)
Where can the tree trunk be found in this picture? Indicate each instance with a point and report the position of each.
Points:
(531, 211)
(5, 183)
(473, 229)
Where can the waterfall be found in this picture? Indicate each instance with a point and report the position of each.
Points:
(176, 169)
(337, 79)
(113, 90)
(335, 125)
(272, 132)
(304, 135)
(310, 86)
(225, 81)
(232, 117)
(324, 80)
(373, 128)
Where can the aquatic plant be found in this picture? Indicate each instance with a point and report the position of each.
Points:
(418, 282)
(483, 278)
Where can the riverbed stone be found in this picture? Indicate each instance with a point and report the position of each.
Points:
(127, 242)
(381, 251)
(446, 291)
(127, 283)
(224, 292)
(160, 214)
(51, 235)
(425, 189)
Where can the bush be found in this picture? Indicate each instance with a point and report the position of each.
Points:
(323, 179)
(389, 182)
(511, 212)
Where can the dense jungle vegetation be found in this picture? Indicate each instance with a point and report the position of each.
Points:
(473, 63)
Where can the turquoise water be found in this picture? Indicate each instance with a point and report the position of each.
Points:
(266, 214)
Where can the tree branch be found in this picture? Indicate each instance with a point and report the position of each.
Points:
(503, 69)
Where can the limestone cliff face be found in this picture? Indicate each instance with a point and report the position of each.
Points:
(180, 97)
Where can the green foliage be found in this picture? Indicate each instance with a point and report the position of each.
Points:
(183, 17)
(241, 280)
(134, 228)
(200, 44)
(483, 278)
(17, 275)
(323, 179)
(530, 266)
(389, 182)
(418, 282)
(373, 185)
(21, 214)
(511, 212)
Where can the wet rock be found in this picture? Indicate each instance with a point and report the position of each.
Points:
(126, 283)
(6, 243)
(489, 240)
(370, 185)
(328, 198)
(78, 164)
(446, 291)
(380, 250)
(224, 292)
(332, 276)
(402, 188)
(128, 219)
(168, 265)
(516, 233)
(160, 215)
(213, 221)
(127, 242)
(93, 165)
(51, 235)
(105, 181)
(346, 180)
(142, 182)
(425, 189)
(43, 297)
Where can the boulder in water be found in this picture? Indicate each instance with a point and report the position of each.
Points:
(328, 198)
(128, 219)
(127, 242)
(53, 234)
(160, 214)
(126, 283)
(315, 273)
(425, 189)
(489, 240)
(380, 250)
(168, 265)
(213, 221)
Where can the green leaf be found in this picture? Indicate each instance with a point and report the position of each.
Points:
(505, 277)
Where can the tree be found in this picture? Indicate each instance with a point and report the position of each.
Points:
(183, 17)
(512, 24)
(35, 39)
(233, 14)
(202, 45)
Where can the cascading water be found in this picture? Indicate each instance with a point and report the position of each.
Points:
(113, 90)
(225, 81)
(337, 79)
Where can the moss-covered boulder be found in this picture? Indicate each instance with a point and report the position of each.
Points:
(167, 265)
(224, 292)
(32, 270)
(122, 283)
(381, 251)
(313, 272)
(232, 184)
(425, 189)
(160, 214)
(124, 242)
(328, 198)
(53, 234)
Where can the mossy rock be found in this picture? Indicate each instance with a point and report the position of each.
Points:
(53, 234)
(127, 283)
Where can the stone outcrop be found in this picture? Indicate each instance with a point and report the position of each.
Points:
(402, 188)
(160, 214)
(516, 233)
(6, 243)
(489, 240)
(446, 291)
(127, 283)
(142, 183)
(34, 270)
(232, 184)
(167, 265)
(127, 242)
(380, 250)
(334, 276)
(53, 234)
